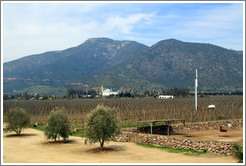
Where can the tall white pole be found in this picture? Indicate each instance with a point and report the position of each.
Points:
(196, 85)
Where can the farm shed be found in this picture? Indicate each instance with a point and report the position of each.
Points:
(211, 106)
(167, 121)
(165, 97)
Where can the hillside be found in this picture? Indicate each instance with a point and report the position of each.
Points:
(55, 68)
(172, 63)
(115, 64)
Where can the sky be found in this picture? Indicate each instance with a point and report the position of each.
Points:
(33, 28)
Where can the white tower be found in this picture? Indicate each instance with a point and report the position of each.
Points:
(196, 85)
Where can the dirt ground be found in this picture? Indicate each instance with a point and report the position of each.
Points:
(232, 135)
(32, 147)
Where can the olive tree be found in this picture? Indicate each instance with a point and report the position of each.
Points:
(58, 125)
(101, 125)
(17, 119)
(237, 149)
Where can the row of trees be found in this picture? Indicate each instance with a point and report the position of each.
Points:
(101, 125)
(81, 93)
(90, 93)
(85, 93)
(26, 96)
(170, 91)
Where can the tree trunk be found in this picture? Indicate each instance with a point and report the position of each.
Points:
(18, 131)
(101, 145)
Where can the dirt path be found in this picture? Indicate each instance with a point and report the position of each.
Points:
(33, 148)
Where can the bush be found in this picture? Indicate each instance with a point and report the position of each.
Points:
(58, 126)
(17, 119)
(238, 151)
(101, 125)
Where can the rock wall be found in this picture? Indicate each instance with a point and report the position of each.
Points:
(131, 135)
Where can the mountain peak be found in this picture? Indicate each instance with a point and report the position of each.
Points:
(167, 42)
(172, 40)
(96, 40)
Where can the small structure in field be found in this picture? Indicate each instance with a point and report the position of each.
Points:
(108, 92)
(165, 97)
(211, 106)
(167, 121)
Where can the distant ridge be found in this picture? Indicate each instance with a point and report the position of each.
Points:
(103, 61)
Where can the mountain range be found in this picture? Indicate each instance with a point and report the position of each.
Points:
(116, 64)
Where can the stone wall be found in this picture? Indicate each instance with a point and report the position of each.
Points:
(131, 135)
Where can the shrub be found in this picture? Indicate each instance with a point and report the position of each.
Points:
(101, 125)
(238, 151)
(17, 119)
(58, 126)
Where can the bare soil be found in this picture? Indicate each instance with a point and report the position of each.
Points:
(32, 147)
(232, 135)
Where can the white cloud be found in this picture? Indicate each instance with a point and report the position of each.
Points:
(39, 28)
(126, 24)
(36, 28)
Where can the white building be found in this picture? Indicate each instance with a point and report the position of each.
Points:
(165, 97)
(108, 92)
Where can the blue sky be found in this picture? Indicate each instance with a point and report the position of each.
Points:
(33, 28)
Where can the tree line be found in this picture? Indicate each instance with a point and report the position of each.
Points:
(73, 93)
(27, 96)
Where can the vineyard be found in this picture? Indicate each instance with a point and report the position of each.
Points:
(135, 109)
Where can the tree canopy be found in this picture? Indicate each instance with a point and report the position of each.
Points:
(17, 119)
(101, 125)
(58, 125)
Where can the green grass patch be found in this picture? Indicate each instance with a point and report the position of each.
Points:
(79, 133)
(173, 150)
(130, 124)
(114, 140)
(41, 86)
(144, 124)
(40, 127)
(134, 124)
